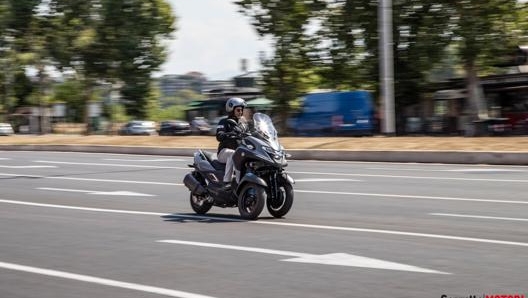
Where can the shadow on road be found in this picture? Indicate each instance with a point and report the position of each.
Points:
(210, 218)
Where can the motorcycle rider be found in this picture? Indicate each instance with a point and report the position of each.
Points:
(227, 134)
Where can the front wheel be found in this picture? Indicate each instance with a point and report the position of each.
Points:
(251, 201)
(279, 206)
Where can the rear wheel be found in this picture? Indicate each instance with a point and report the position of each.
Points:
(200, 204)
(279, 206)
(251, 201)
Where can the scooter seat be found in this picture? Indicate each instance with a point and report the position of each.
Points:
(218, 165)
(213, 159)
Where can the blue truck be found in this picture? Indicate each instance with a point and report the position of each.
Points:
(335, 113)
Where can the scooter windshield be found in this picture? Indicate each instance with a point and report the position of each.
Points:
(265, 129)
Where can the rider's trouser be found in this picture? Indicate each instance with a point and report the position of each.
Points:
(226, 156)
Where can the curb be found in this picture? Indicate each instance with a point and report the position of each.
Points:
(452, 157)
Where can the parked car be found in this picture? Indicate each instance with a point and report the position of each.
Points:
(214, 123)
(174, 127)
(200, 126)
(6, 129)
(138, 128)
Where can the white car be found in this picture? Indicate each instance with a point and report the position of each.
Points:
(6, 129)
(200, 126)
(138, 128)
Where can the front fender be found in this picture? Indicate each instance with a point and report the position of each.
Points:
(251, 178)
(288, 178)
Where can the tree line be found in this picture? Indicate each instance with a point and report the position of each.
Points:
(334, 43)
(88, 42)
(316, 44)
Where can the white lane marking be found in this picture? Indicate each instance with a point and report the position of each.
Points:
(26, 167)
(96, 192)
(309, 173)
(308, 226)
(107, 164)
(411, 177)
(338, 259)
(102, 281)
(479, 216)
(399, 233)
(437, 164)
(145, 160)
(483, 170)
(411, 196)
(90, 179)
(297, 190)
(326, 180)
(4, 158)
(469, 170)
(82, 208)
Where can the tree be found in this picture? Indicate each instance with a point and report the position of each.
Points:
(95, 40)
(340, 56)
(157, 112)
(288, 74)
(350, 28)
(343, 51)
(133, 32)
(68, 93)
(113, 41)
(484, 32)
(22, 88)
(15, 23)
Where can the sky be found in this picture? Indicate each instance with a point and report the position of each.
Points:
(212, 37)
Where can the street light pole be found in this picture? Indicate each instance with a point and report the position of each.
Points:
(386, 66)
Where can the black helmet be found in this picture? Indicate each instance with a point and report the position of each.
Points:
(234, 102)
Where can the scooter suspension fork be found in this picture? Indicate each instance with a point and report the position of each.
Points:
(274, 188)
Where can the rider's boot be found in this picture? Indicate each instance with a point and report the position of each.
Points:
(226, 186)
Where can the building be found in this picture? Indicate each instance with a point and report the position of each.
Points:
(214, 105)
(449, 111)
(171, 84)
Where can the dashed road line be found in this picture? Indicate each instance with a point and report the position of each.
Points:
(413, 177)
(411, 197)
(479, 216)
(90, 179)
(106, 164)
(102, 281)
(307, 226)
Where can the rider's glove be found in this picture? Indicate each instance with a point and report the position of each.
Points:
(232, 135)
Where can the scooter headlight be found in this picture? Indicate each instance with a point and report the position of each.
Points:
(255, 165)
(275, 155)
(268, 149)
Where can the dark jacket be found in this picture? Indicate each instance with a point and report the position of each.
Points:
(226, 133)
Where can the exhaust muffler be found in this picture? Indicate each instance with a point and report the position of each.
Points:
(194, 185)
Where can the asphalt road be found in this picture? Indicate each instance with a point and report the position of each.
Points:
(107, 225)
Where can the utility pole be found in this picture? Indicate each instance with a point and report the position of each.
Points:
(5, 97)
(386, 66)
